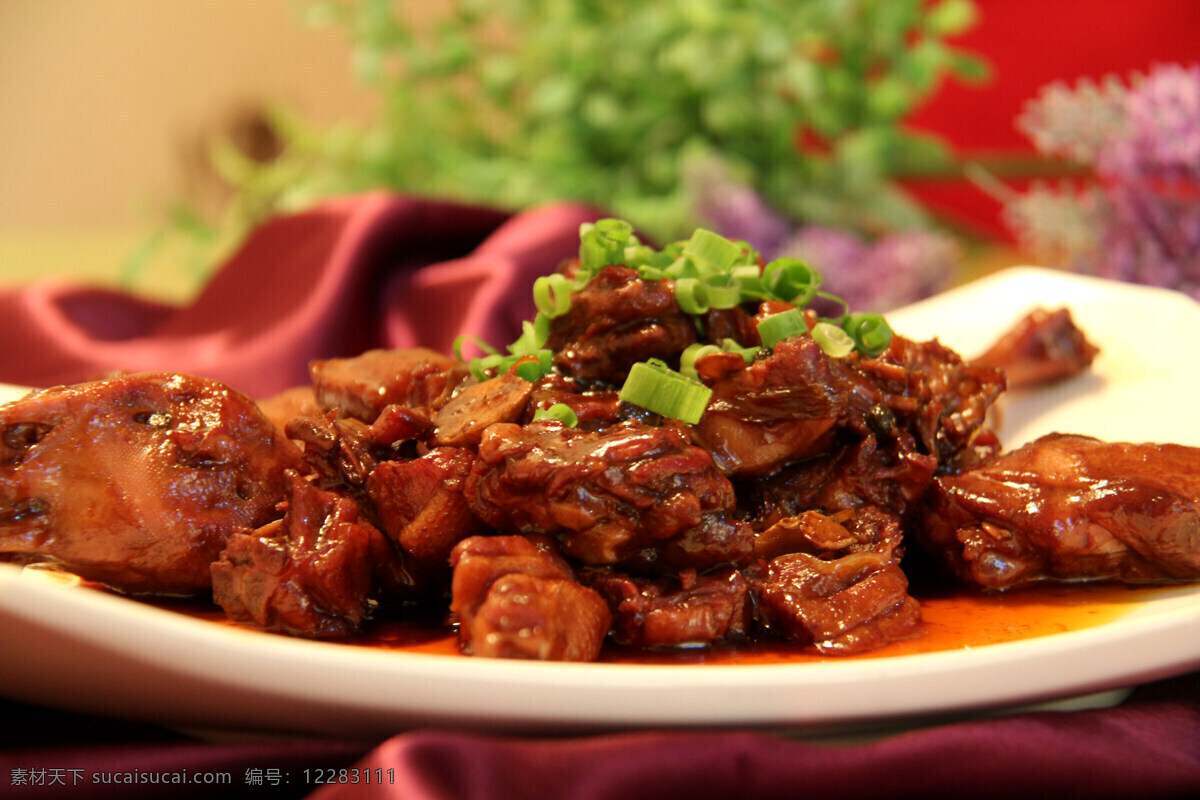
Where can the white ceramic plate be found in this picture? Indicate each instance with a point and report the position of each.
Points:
(82, 650)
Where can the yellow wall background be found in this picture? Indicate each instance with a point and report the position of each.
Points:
(106, 106)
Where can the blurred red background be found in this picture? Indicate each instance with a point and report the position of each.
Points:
(1030, 43)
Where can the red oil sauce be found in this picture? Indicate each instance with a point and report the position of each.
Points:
(950, 621)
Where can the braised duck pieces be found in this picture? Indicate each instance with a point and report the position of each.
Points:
(308, 574)
(1070, 508)
(137, 482)
(1042, 347)
(514, 599)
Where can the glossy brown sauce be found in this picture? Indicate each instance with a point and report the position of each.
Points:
(951, 621)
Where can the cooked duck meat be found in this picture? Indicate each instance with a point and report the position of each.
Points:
(1070, 508)
(309, 574)
(778, 409)
(362, 386)
(863, 473)
(514, 600)
(462, 420)
(719, 539)
(732, 323)
(615, 321)
(679, 611)
(1043, 347)
(772, 500)
(796, 402)
(594, 408)
(930, 391)
(609, 493)
(865, 529)
(343, 451)
(852, 604)
(136, 482)
(299, 401)
(421, 506)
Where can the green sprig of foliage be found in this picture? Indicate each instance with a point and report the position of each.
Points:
(518, 102)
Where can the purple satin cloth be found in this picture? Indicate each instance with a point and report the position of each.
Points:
(387, 271)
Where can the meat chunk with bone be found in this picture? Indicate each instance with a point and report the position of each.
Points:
(1043, 347)
(930, 392)
(137, 482)
(420, 503)
(842, 606)
(865, 529)
(615, 321)
(677, 611)
(1070, 508)
(779, 409)
(797, 403)
(362, 386)
(608, 494)
(514, 600)
(309, 574)
(343, 452)
(863, 473)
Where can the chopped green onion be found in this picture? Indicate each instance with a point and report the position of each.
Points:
(656, 387)
(602, 243)
(712, 250)
(552, 294)
(683, 267)
(617, 230)
(691, 296)
(559, 411)
(532, 368)
(533, 336)
(459, 341)
(833, 340)
(870, 332)
(777, 327)
(693, 353)
(481, 368)
(748, 354)
(792, 280)
(748, 257)
(723, 290)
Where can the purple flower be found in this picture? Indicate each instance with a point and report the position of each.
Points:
(1161, 138)
(878, 275)
(732, 208)
(1139, 219)
(896, 269)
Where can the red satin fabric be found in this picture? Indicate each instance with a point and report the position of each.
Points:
(377, 270)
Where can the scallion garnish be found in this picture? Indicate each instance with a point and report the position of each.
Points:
(832, 339)
(723, 290)
(777, 327)
(870, 332)
(656, 387)
(559, 411)
(792, 280)
(691, 296)
(712, 251)
(691, 354)
(533, 336)
(603, 242)
(552, 294)
(709, 272)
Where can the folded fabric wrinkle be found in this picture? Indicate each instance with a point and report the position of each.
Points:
(372, 270)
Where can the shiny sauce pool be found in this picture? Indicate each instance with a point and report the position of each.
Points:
(952, 621)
